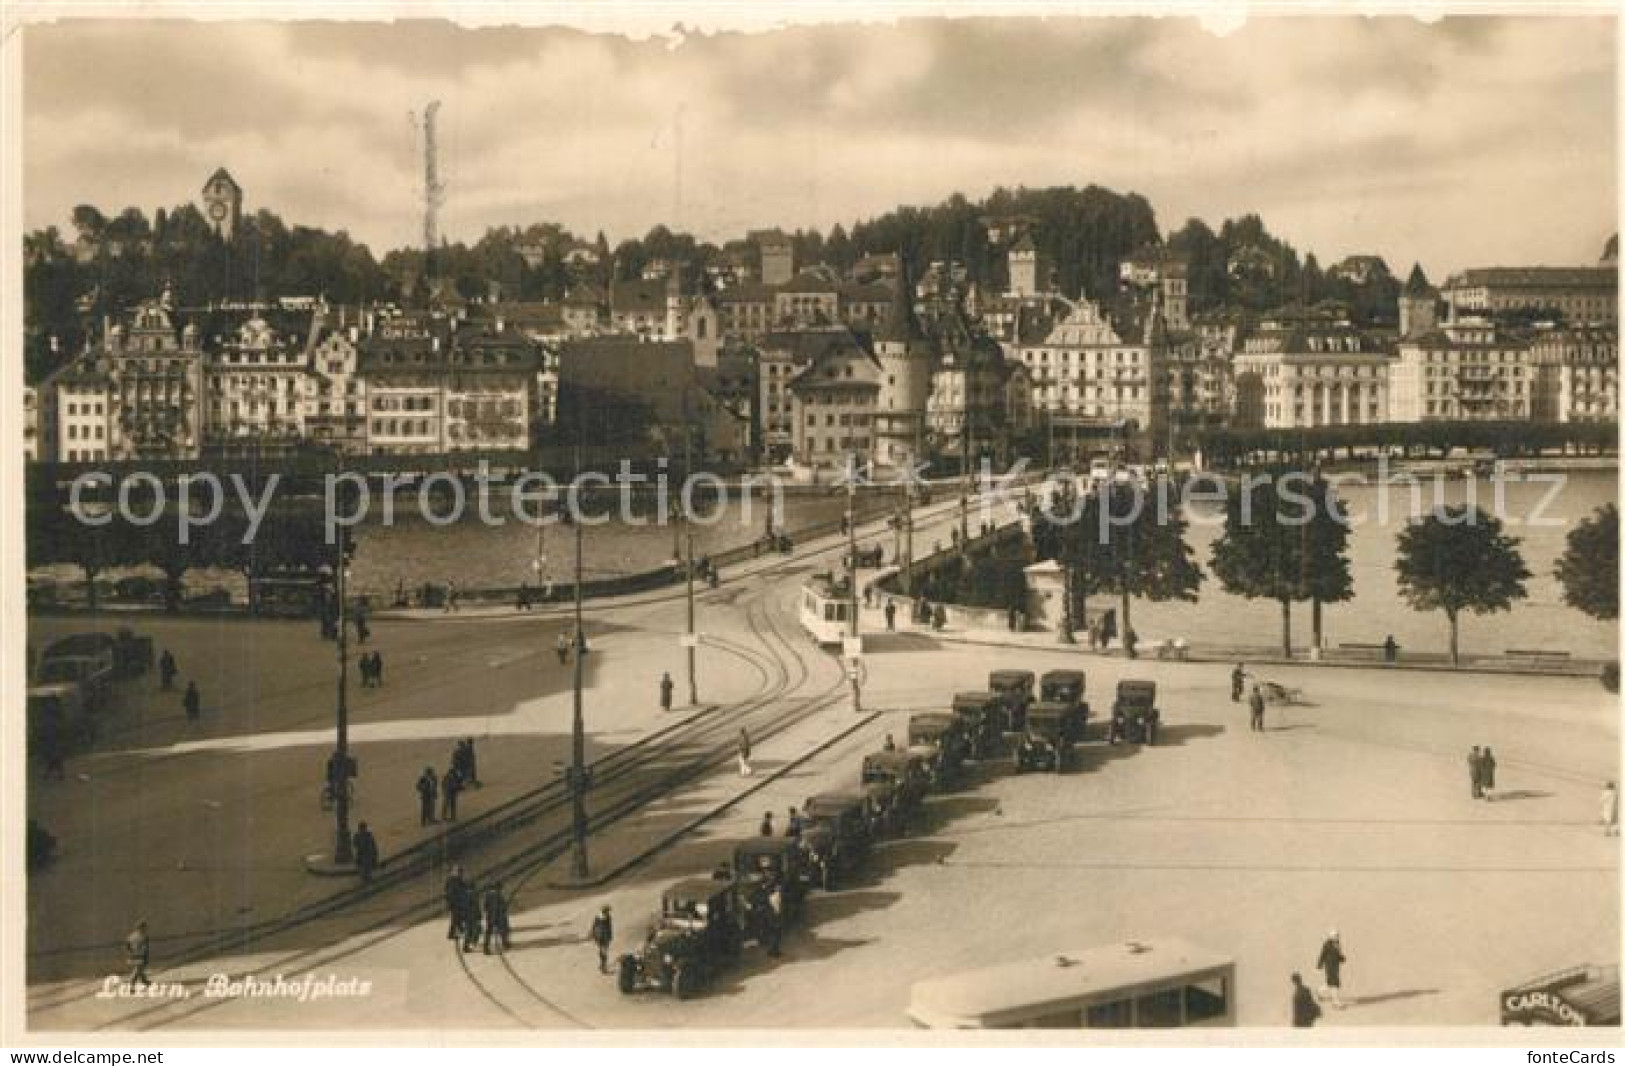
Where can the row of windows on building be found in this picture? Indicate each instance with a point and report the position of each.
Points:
(839, 420)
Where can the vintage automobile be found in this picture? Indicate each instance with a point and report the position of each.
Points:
(1016, 689)
(1135, 717)
(697, 934)
(905, 774)
(939, 738)
(835, 834)
(983, 716)
(1064, 686)
(759, 863)
(1052, 731)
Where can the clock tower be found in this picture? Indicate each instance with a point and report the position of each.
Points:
(223, 204)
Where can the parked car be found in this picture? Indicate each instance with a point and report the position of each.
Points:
(697, 934)
(905, 773)
(1135, 717)
(939, 738)
(1015, 690)
(759, 863)
(1052, 731)
(132, 655)
(983, 718)
(1064, 686)
(835, 834)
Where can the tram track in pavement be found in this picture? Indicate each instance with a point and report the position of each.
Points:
(701, 744)
(792, 658)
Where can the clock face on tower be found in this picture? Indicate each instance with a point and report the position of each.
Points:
(217, 211)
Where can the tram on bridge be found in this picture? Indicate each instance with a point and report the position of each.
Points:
(826, 609)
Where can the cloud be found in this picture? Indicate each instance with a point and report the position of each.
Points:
(1442, 142)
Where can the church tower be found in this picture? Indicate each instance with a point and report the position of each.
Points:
(223, 204)
(1418, 305)
(905, 358)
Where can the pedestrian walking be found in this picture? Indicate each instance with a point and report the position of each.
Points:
(451, 785)
(767, 824)
(891, 744)
(138, 954)
(428, 788)
(492, 904)
(377, 669)
(362, 631)
(1304, 1008)
(1475, 771)
(1238, 682)
(364, 665)
(793, 825)
(1390, 650)
(744, 753)
(602, 935)
(1486, 774)
(456, 889)
(1608, 810)
(471, 765)
(891, 616)
(472, 925)
(167, 670)
(562, 646)
(665, 691)
(1331, 964)
(192, 702)
(1256, 701)
(365, 846)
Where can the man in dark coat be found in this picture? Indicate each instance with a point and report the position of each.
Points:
(767, 824)
(495, 906)
(665, 691)
(451, 785)
(377, 669)
(167, 670)
(1256, 702)
(428, 787)
(1475, 771)
(1238, 682)
(192, 702)
(793, 825)
(1486, 774)
(891, 616)
(138, 954)
(366, 852)
(1304, 1008)
(471, 764)
(456, 889)
(602, 935)
(1331, 962)
(471, 917)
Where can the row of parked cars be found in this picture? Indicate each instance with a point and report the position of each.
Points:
(705, 923)
(72, 680)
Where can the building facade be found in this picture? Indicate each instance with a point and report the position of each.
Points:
(1467, 370)
(833, 407)
(1575, 375)
(1582, 295)
(1298, 376)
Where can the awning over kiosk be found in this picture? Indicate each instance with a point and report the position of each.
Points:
(1581, 995)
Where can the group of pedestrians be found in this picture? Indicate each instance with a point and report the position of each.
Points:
(478, 916)
(1307, 1005)
(462, 773)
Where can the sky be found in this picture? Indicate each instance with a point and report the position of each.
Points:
(1457, 143)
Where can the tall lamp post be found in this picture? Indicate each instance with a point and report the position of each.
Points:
(854, 647)
(578, 731)
(339, 772)
(688, 564)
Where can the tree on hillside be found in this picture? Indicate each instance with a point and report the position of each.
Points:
(1458, 559)
(1589, 567)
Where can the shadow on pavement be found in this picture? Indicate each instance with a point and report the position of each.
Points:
(1183, 732)
(1386, 997)
(1521, 794)
(898, 642)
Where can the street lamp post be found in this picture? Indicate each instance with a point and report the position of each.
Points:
(688, 566)
(854, 642)
(340, 773)
(578, 731)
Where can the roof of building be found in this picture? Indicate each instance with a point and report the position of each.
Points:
(1417, 284)
(1537, 277)
(821, 373)
(900, 323)
(1024, 243)
(222, 174)
(638, 297)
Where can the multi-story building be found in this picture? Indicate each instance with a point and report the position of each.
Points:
(639, 307)
(811, 298)
(1575, 375)
(1466, 370)
(77, 412)
(966, 410)
(491, 382)
(336, 396)
(745, 310)
(254, 387)
(1581, 295)
(403, 365)
(1099, 382)
(157, 385)
(1155, 271)
(1292, 375)
(833, 407)
(864, 306)
(780, 356)
(1029, 268)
